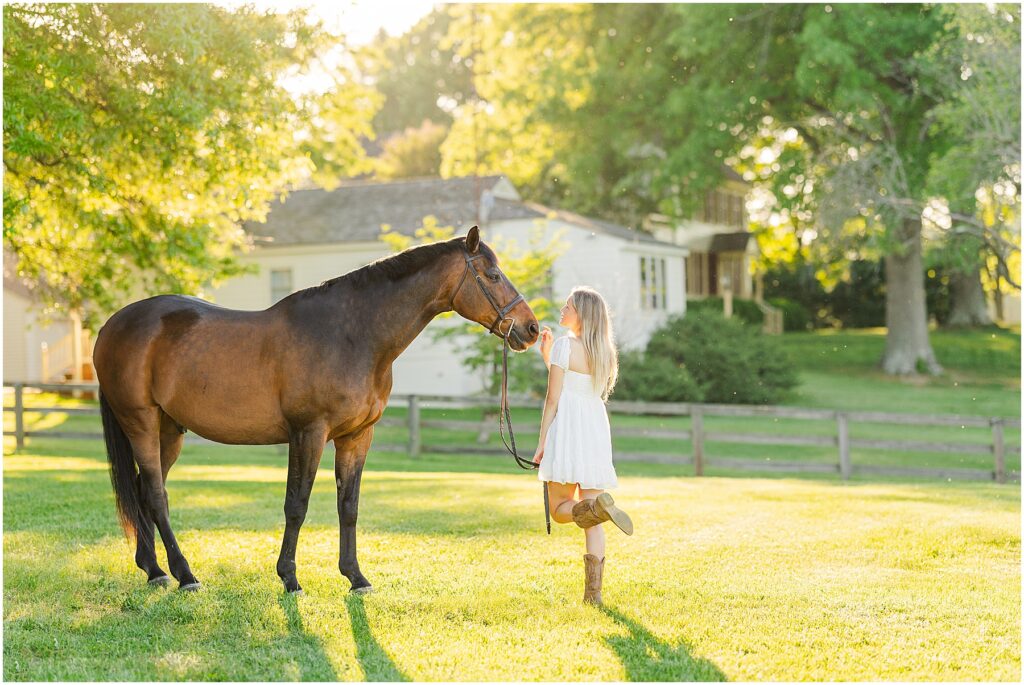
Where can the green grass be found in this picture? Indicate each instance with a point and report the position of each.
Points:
(991, 353)
(725, 579)
(741, 578)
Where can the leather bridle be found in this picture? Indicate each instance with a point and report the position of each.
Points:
(502, 311)
(503, 410)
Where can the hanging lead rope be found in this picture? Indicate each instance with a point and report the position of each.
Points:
(503, 412)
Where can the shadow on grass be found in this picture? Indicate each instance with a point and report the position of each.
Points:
(376, 664)
(649, 659)
(315, 665)
(110, 629)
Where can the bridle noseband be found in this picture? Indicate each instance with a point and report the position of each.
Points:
(502, 311)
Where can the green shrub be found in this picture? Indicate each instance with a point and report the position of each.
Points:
(746, 310)
(730, 361)
(795, 316)
(860, 302)
(654, 379)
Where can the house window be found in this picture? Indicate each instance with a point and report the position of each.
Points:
(280, 284)
(693, 278)
(723, 208)
(653, 283)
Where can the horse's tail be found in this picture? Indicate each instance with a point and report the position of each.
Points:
(123, 472)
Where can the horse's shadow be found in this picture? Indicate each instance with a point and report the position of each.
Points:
(375, 662)
(301, 641)
(650, 659)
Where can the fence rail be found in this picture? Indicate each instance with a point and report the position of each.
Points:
(696, 435)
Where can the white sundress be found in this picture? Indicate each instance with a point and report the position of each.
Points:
(578, 447)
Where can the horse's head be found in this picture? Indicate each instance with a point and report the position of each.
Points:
(482, 293)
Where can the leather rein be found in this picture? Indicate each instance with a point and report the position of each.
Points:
(503, 410)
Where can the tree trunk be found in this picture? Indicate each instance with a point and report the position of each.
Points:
(968, 306)
(906, 316)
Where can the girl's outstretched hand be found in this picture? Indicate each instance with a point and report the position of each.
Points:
(539, 454)
(547, 338)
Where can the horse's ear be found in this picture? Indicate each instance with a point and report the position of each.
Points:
(473, 240)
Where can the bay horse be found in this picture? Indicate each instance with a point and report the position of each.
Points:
(312, 368)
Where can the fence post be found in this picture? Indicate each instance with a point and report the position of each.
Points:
(697, 436)
(998, 449)
(19, 415)
(414, 426)
(845, 467)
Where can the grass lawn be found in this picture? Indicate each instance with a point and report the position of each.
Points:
(725, 578)
(740, 578)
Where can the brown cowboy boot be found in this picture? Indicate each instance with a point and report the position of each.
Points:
(593, 569)
(590, 512)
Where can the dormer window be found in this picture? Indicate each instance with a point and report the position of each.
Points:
(723, 208)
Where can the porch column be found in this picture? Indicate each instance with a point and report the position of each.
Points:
(77, 358)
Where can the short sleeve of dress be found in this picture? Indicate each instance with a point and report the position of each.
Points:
(560, 352)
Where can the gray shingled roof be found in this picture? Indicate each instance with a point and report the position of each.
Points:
(355, 211)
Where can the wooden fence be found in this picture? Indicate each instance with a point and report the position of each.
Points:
(696, 437)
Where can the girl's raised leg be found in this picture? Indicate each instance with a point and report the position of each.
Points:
(560, 501)
(595, 534)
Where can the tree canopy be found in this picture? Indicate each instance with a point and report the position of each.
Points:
(137, 138)
(419, 76)
(850, 119)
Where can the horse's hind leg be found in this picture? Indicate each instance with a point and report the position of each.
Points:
(171, 439)
(145, 542)
(143, 430)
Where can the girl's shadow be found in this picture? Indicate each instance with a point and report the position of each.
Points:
(648, 658)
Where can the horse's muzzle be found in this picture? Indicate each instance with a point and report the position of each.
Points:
(516, 340)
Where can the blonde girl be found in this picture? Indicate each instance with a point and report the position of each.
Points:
(575, 448)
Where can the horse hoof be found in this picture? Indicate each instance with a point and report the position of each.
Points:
(191, 587)
(162, 581)
(297, 592)
(365, 590)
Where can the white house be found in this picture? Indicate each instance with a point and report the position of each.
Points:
(315, 235)
(722, 250)
(36, 350)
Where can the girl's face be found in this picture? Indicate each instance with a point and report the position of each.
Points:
(569, 317)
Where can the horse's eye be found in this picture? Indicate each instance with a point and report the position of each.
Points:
(494, 277)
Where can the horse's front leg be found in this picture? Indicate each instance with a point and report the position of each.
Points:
(305, 447)
(348, 470)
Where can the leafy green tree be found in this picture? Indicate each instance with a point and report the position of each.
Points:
(414, 152)
(137, 138)
(977, 69)
(530, 66)
(419, 76)
(679, 91)
(529, 268)
(846, 79)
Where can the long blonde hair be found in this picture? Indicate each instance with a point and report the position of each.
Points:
(597, 338)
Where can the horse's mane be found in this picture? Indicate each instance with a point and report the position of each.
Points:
(393, 267)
